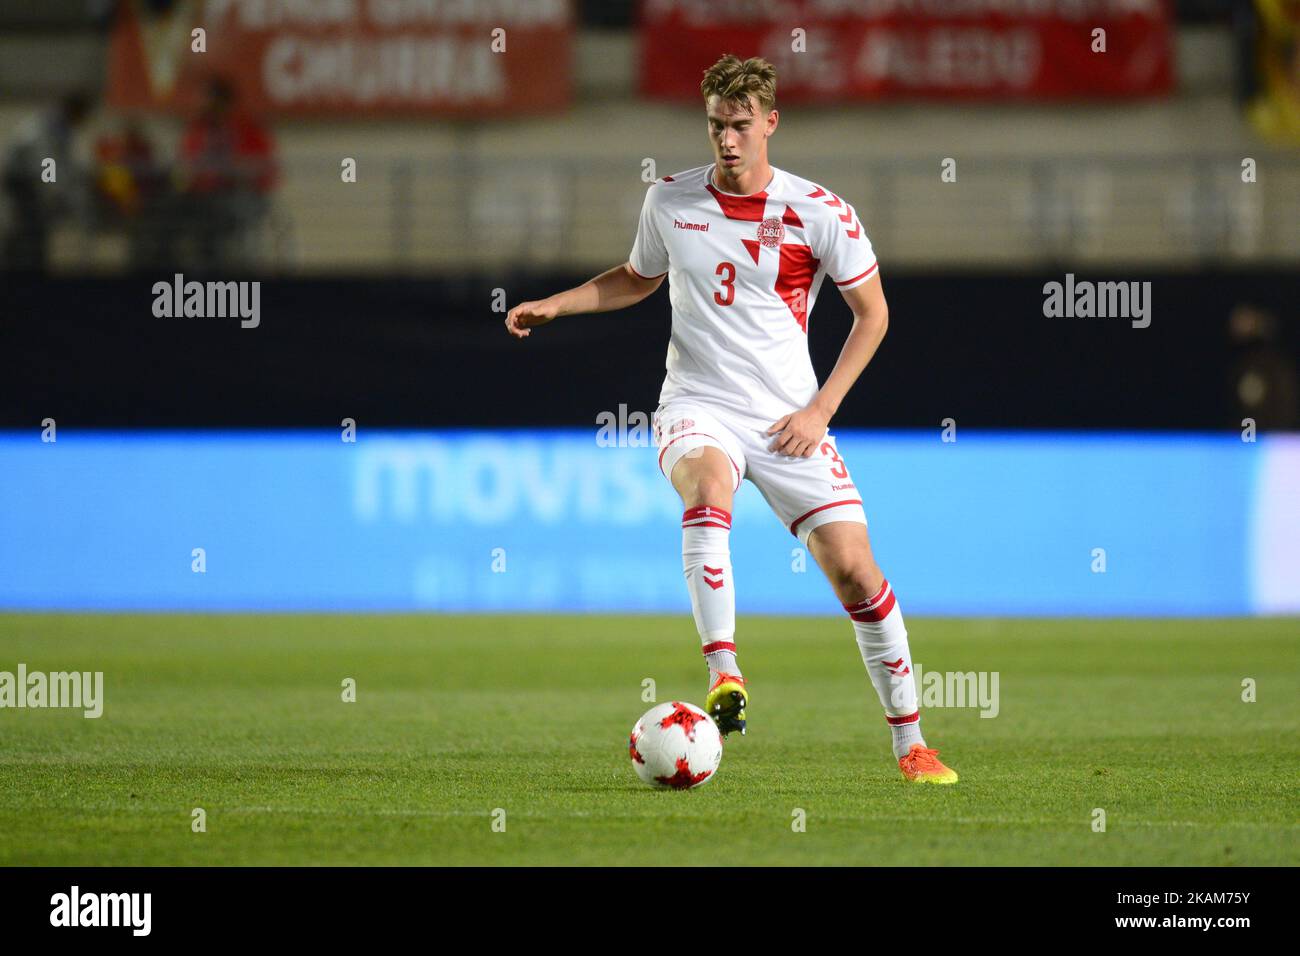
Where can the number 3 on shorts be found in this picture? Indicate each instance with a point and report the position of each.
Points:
(838, 471)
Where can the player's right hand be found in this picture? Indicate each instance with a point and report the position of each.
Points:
(528, 314)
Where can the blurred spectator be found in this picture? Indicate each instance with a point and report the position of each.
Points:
(131, 186)
(34, 205)
(225, 172)
(1275, 29)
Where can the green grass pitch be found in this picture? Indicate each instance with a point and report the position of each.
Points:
(243, 716)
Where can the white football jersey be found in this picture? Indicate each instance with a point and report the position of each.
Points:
(743, 276)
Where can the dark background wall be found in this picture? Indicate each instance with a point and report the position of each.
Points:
(432, 353)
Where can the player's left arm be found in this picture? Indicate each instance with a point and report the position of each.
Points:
(801, 431)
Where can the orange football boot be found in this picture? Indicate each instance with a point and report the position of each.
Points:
(922, 765)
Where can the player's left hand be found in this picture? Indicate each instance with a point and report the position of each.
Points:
(799, 433)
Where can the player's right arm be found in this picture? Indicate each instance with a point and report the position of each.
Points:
(616, 288)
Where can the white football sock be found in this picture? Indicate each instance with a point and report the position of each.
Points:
(721, 658)
(706, 564)
(882, 640)
(906, 734)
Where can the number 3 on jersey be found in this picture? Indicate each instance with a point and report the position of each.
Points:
(728, 273)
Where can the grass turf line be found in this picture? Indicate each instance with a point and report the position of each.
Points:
(456, 716)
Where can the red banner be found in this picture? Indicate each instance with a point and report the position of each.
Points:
(827, 50)
(343, 57)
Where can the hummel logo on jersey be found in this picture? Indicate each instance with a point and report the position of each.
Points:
(713, 577)
(681, 426)
(697, 226)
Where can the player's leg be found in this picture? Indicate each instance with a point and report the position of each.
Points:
(703, 477)
(819, 502)
(843, 551)
(705, 473)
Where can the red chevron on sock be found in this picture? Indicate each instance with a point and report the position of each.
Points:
(894, 668)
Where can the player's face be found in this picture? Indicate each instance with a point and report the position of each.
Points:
(739, 138)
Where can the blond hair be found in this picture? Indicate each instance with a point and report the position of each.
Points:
(734, 79)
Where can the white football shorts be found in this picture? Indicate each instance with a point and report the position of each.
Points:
(805, 493)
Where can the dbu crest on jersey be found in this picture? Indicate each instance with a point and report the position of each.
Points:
(771, 231)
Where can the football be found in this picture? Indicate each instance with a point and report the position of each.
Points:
(675, 745)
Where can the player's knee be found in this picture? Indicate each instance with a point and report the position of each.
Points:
(867, 579)
(855, 577)
(703, 481)
(707, 490)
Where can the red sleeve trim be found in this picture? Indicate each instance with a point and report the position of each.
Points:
(659, 276)
(874, 266)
